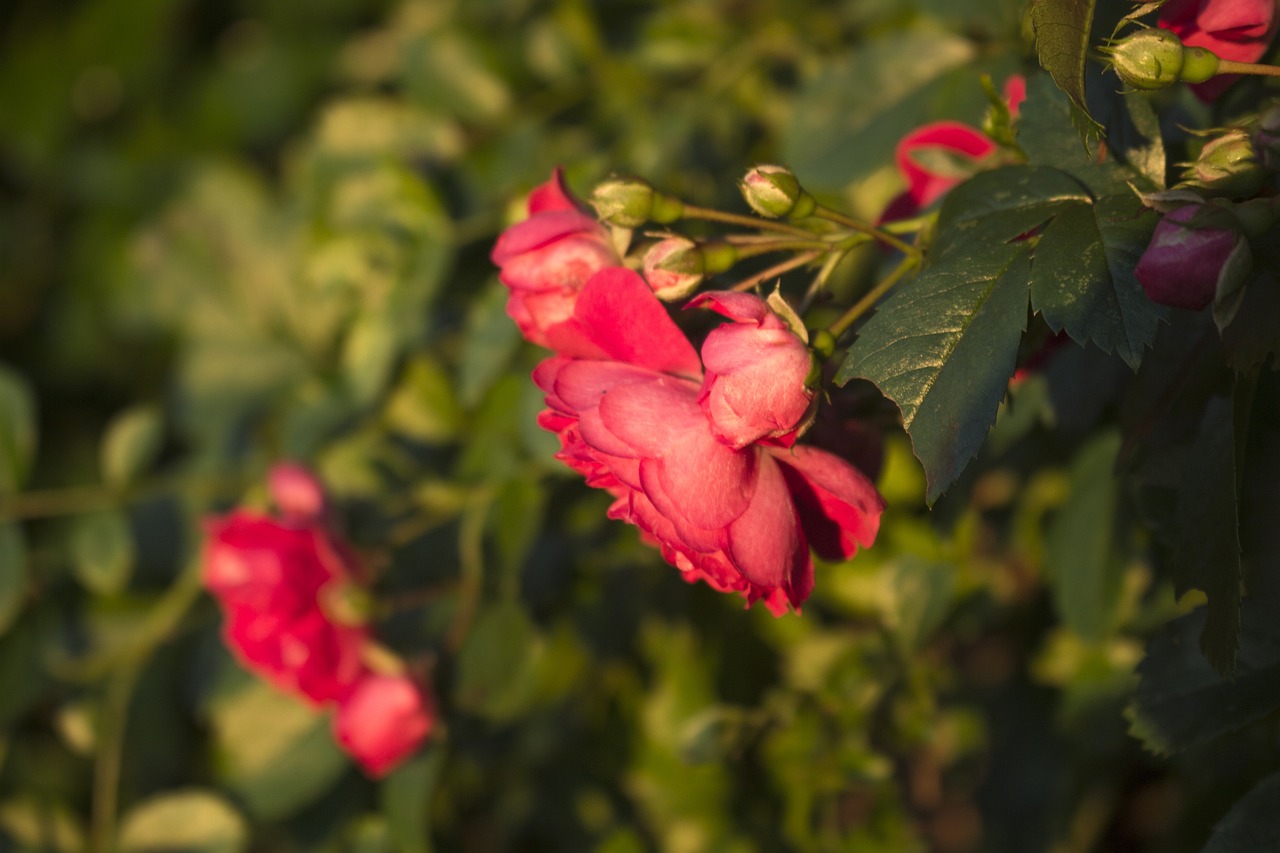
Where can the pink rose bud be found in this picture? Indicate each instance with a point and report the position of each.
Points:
(773, 191)
(545, 260)
(674, 268)
(1182, 263)
(758, 372)
(1237, 30)
(297, 493)
(383, 721)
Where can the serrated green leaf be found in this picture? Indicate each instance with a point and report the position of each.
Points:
(103, 550)
(17, 430)
(406, 800)
(191, 821)
(1083, 566)
(943, 350)
(1062, 43)
(1251, 824)
(131, 443)
(1181, 701)
(993, 208)
(13, 573)
(1082, 279)
(1207, 523)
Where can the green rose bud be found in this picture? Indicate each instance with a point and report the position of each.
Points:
(1227, 166)
(631, 202)
(1155, 58)
(773, 192)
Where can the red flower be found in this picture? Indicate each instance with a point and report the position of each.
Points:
(623, 397)
(546, 259)
(1181, 264)
(270, 577)
(383, 721)
(287, 589)
(929, 179)
(1238, 30)
(757, 383)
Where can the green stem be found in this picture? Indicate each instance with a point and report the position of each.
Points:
(1226, 66)
(471, 558)
(872, 296)
(692, 212)
(879, 233)
(776, 270)
(763, 248)
(72, 500)
(160, 624)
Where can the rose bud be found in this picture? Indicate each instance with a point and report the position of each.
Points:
(631, 202)
(296, 492)
(674, 268)
(383, 721)
(773, 192)
(1227, 166)
(1155, 58)
(1182, 263)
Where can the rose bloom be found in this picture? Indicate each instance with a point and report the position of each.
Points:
(968, 146)
(1237, 30)
(269, 577)
(623, 398)
(545, 260)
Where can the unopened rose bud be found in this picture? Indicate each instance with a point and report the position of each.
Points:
(1182, 264)
(1154, 58)
(1227, 166)
(674, 268)
(631, 202)
(773, 192)
(296, 492)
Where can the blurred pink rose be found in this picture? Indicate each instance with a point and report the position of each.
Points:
(545, 259)
(1238, 30)
(269, 576)
(757, 381)
(296, 492)
(623, 397)
(1181, 264)
(383, 721)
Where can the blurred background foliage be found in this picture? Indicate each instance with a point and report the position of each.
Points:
(232, 232)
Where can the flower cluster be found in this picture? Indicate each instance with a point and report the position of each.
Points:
(699, 453)
(293, 595)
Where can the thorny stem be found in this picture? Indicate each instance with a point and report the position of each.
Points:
(873, 295)
(879, 233)
(1226, 66)
(692, 212)
(776, 270)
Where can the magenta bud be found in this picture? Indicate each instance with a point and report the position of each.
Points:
(1183, 262)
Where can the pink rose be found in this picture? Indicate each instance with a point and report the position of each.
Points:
(1237, 30)
(1181, 264)
(545, 259)
(269, 577)
(928, 177)
(296, 492)
(383, 721)
(757, 383)
(623, 397)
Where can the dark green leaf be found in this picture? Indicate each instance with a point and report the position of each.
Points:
(996, 207)
(1253, 336)
(406, 800)
(943, 349)
(131, 444)
(491, 338)
(13, 573)
(17, 430)
(1062, 42)
(1082, 279)
(495, 676)
(1251, 824)
(191, 821)
(1083, 566)
(1208, 554)
(1182, 701)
